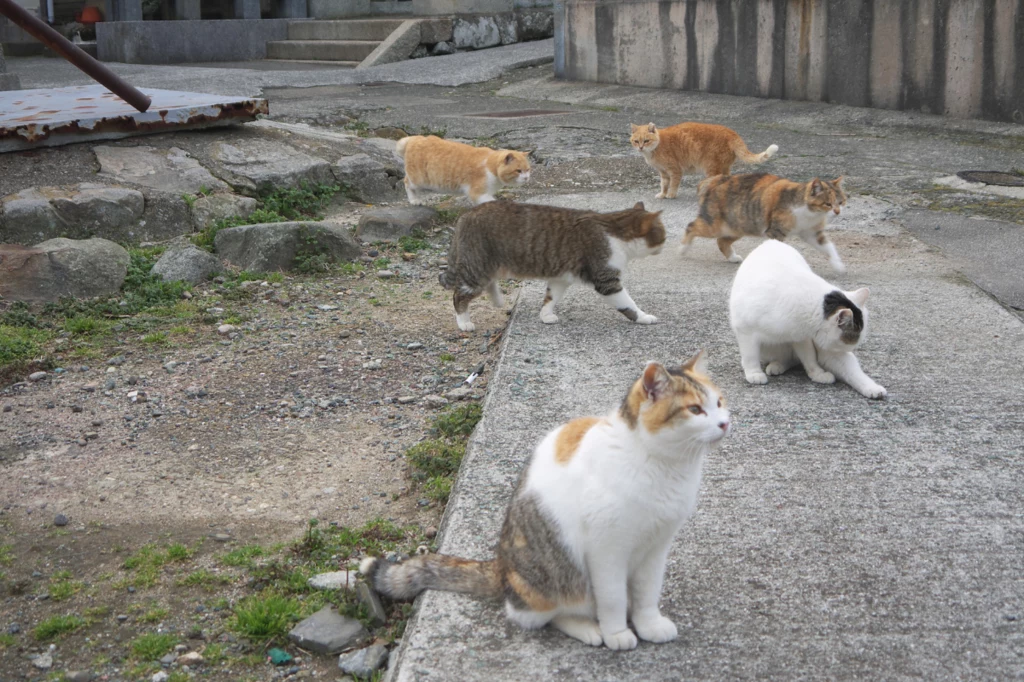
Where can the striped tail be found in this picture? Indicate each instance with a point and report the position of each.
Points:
(746, 156)
(432, 572)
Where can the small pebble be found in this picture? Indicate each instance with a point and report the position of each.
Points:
(37, 376)
(60, 520)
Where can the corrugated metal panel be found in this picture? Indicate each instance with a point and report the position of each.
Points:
(51, 117)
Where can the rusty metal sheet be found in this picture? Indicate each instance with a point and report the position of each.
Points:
(56, 116)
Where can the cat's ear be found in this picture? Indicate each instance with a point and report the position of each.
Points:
(844, 317)
(816, 187)
(697, 364)
(651, 127)
(860, 297)
(510, 157)
(656, 380)
(838, 182)
(639, 206)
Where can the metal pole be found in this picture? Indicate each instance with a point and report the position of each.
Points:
(74, 54)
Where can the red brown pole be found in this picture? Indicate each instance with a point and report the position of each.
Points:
(74, 54)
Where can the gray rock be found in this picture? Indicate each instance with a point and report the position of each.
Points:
(79, 211)
(266, 165)
(420, 52)
(160, 676)
(362, 663)
(62, 267)
(385, 274)
(475, 33)
(335, 580)
(367, 178)
(442, 48)
(271, 247)
(534, 24)
(507, 28)
(209, 209)
(368, 598)
(168, 170)
(328, 632)
(225, 329)
(167, 659)
(60, 519)
(461, 393)
(435, 401)
(435, 30)
(37, 376)
(43, 661)
(79, 676)
(388, 224)
(188, 263)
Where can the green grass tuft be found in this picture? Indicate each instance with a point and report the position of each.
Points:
(55, 626)
(150, 647)
(264, 616)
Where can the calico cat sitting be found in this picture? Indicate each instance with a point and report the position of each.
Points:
(433, 164)
(691, 147)
(561, 245)
(783, 313)
(589, 528)
(734, 206)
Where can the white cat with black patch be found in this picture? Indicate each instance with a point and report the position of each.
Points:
(782, 313)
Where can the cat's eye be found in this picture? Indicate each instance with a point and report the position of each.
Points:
(696, 409)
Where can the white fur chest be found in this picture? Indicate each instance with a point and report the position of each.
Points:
(806, 219)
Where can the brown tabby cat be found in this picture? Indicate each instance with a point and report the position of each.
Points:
(445, 166)
(690, 147)
(560, 245)
(589, 528)
(758, 204)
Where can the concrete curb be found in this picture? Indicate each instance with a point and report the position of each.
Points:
(397, 47)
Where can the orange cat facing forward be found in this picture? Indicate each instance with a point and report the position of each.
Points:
(690, 147)
(433, 164)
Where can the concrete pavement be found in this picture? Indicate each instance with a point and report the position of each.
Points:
(836, 537)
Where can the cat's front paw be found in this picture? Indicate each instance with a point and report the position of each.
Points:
(735, 258)
(774, 369)
(620, 641)
(657, 629)
(838, 266)
(683, 248)
(549, 318)
(465, 325)
(756, 378)
(874, 391)
(822, 377)
(659, 195)
(644, 318)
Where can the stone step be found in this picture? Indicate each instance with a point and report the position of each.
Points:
(343, 29)
(318, 62)
(319, 50)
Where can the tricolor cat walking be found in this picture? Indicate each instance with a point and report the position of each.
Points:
(784, 314)
(589, 528)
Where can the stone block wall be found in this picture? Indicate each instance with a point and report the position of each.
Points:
(962, 58)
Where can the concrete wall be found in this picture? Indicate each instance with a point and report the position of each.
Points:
(962, 58)
(8, 81)
(175, 42)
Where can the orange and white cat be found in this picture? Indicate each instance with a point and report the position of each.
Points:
(433, 164)
(690, 147)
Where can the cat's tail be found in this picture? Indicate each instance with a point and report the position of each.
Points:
(432, 572)
(400, 147)
(743, 154)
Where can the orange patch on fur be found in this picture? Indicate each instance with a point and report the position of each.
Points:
(568, 439)
(534, 599)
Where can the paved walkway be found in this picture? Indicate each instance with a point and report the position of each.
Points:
(452, 70)
(836, 537)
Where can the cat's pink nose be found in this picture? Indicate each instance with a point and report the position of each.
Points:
(836, 210)
(724, 426)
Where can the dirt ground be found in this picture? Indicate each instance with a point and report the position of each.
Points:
(246, 436)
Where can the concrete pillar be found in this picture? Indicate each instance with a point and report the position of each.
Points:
(292, 9)
(559, 12)
(123, 10)
(188, 9)
(8, 81)
(247, 9)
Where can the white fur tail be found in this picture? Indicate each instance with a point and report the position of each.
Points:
(400, 148)
(746, 156)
